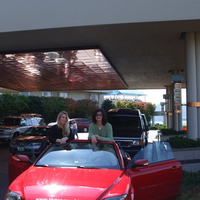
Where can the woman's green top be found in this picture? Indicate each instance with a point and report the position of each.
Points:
(106, 133)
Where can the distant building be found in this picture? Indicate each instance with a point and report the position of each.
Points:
(126, 95)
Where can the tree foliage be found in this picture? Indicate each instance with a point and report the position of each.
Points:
(71, 106)
(34, 105)
(12, 104)
(49, 107)
(85, 107)
(107, 105)
(125, 104)
(52, 106)
(145, 108)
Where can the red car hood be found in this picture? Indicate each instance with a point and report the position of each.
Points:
(67, 183)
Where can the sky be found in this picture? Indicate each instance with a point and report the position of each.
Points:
(156, 96)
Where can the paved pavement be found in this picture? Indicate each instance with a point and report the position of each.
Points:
(4, 156)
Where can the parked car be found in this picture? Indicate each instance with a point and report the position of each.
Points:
(80, 170)
(83, 124)
(130, 128)
(51, 123)
(32, 142)
(12, 126)
(146, 128)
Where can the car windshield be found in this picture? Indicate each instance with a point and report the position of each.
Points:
(80, 155)
(36, 131)
(127, 124)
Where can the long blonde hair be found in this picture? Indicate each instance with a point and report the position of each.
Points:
(66, 129)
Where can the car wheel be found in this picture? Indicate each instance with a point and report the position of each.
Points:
(85, 129)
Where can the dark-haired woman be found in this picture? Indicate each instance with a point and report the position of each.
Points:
(100, 129)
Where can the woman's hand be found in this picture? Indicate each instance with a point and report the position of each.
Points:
(63, 140)
(97, 137)
(93, 139)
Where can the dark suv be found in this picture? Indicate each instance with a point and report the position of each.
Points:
(83, 124)
(130, 129)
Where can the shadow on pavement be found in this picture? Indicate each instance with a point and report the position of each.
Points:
(4, 157)
(3, 184)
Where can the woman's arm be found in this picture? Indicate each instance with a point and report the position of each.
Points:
(53, 134)
(91, 131)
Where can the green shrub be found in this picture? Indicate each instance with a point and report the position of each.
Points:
(170, 131)
(182, 142)
(158, 127)
(190, 188)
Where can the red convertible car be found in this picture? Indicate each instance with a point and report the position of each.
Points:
(82, 171)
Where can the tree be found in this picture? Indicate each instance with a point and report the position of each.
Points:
(52, 106)
(71, 106)
(125, 104)
(13, 104)
(34, 105)
(85, 108)
(107, 105)
(146, 108)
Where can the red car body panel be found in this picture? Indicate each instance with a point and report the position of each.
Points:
(15, 168)
(160, 180)
(155, 180)
(80, 183)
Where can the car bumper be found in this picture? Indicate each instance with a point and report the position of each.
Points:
(26, 150)
(6, 137)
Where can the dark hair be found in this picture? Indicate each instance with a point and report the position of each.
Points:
(104, 117)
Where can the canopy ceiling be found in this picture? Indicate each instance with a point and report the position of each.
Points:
(58, 70)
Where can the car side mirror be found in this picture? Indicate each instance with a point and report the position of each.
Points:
(22, 158)
(141, 162)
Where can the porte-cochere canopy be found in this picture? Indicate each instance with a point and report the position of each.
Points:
(60, 70)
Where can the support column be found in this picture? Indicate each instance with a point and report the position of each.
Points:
(197, 36)
(177, 107)
(191, 85)
(168, 107)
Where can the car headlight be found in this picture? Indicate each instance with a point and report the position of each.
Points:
(8, 132)
(136, 142)
(121, 197)
(12, 196)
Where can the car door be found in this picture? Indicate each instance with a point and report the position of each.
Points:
(161, 178)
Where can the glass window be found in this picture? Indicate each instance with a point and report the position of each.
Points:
(155, 152)
(125, 124)
(11, 121)
(81, 154)
(28, 122)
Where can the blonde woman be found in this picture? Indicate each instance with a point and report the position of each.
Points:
(61, 132)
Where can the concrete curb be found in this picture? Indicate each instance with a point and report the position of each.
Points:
(189, 158)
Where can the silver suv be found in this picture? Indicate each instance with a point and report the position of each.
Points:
(13, 126)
